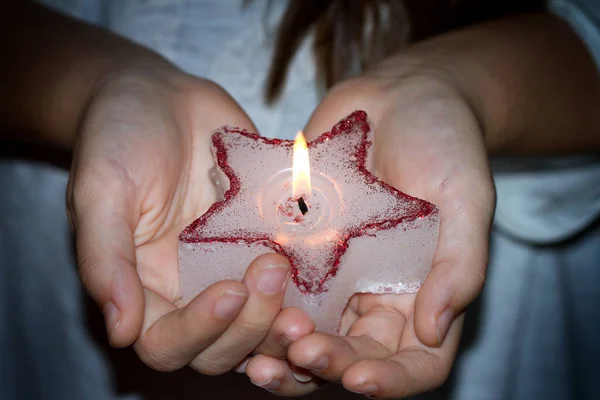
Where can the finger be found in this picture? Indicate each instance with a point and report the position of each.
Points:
(214, 106)
(350, 314)
(411, 371)
(172, 337)
(381, 325)
(278, 377)
(460, 262)
(266, 280)
(241, 367)
(101, 205)
(329, 356)
(339, 103)
(290, 326)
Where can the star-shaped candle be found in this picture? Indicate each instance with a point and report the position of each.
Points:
(343, 230)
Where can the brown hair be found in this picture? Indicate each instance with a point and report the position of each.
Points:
(352, 35)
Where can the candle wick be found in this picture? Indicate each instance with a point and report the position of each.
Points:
(302, 205)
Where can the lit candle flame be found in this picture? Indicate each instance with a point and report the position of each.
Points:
(301, 168)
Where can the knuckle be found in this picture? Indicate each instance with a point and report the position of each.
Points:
(429, 364)
(470, 289)
(212, 86)
(478, 278)
(211, 90)
(440, 371)
(211, 364)
(88, 266)
(154, 358)
(251, 332)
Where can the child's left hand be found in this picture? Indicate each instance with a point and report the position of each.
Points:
(428, 144)
(377, 345)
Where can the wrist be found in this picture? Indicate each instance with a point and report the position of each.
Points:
(430, 76)
(59, 122)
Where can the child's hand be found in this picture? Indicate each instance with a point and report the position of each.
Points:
(429, 145)
(377, 352)
(141, 174)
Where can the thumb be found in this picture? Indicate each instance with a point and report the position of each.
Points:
(459, 267)
(342, 100)
(101, 203)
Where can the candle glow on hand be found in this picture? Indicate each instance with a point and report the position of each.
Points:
(300, 168)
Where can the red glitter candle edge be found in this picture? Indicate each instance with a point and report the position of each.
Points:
(425, 209)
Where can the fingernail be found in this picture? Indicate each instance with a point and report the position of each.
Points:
(112, 318)
(271, 279)
(241, 369)
(300, 377)
(442, 324)
(367, 389)
(317, 365)
(269, 385)
(230, 304)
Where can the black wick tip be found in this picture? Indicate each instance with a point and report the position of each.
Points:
(302, 205)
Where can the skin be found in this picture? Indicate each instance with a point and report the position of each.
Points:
(436, 109)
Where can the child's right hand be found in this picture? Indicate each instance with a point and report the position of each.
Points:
(140, 174)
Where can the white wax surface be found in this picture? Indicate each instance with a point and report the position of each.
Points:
(359, 234)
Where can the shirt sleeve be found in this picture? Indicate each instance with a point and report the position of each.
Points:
(90, 11)
(584, 18)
